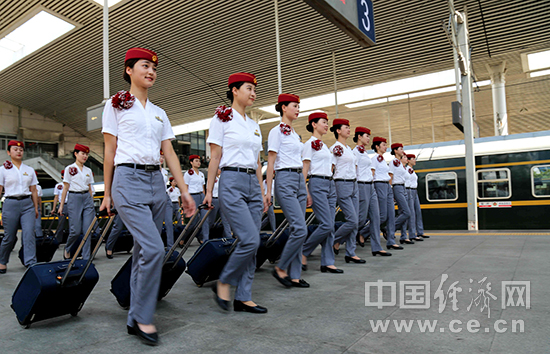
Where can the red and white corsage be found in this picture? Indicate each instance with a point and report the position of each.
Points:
(191, 172)
(380, 158)
(8, 165)
(171, 189)
(411, 171)
(317, 145)
(123, 100)
(361, 149)
(223, 113)
(73, 171)
(285, 129)
(338, 151)
(60, 187)
(396, 162)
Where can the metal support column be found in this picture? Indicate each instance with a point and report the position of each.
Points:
(278, 46)
(467, 118)
(335, 83)
(497, 73)
(106, 94)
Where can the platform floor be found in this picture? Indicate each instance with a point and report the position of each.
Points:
(331, 316)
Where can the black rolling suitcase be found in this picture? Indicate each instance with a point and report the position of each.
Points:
(172, 267)
(46, 245)
(49, 290)
(124, 242)
(208, 261)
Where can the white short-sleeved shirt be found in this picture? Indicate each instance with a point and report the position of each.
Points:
(58, 190)
(195, 182)
(288, 148)
(240, 139)
(320, 161)
(413, 177)
(216, 188)
(164, 174)
(174, 194)
(79, 181)
(39, 190)
(381, 168)
(139, 131)
(17, 181)
(346, 165)
(407, 177)
(399, 172)
(272, 187)
(364, 166)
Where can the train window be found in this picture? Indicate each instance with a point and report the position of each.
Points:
(540, 181)
(47, 208)
(441, 187)
(494, 184)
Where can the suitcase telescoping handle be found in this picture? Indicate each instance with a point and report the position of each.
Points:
(81, 245)
(48, 230)
(182, 234)
(275, 236)
(192, 237)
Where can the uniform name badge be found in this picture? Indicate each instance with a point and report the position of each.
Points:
(25, 174)
(256, 133)
(159, 119)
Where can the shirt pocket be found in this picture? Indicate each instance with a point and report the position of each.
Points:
(128, 123)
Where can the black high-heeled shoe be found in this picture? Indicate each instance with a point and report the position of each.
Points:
(408, 242)
(304, 267)
(223, 304)
(384, 254)
(350, 259)
(336, 250)
(146, 338)
(325, 269)
(417, 239)
(394, 247)
(109, 256)
(239, 306)
(286, 281)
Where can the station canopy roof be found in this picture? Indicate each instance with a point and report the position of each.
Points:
(199, 43)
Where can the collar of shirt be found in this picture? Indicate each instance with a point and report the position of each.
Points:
(194, 182)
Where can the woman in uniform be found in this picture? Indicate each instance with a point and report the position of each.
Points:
(414, 204)
(345, 179)
(77, 182)
(134, 131)
(175, 201)
(398, 174)
(384, 192)
(368, 200)
(235, 144)
(285, 150)
(18, 181)
(195, 184)
(318, 162)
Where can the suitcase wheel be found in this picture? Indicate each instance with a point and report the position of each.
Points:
(24, 326)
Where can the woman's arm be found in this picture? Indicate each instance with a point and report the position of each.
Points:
(305, 170)
(267, 201)
(215, 157)
(108, 169)
(271, 157)
(63, 196)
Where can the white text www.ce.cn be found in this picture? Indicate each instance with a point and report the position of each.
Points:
(454, 326)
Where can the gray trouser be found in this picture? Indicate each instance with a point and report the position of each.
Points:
(323, 195)
(368, 205)
(211, 220)
(402, 199)
(348, 200)
(14, 212)
(410, 225)
(291, 193)
(81, 215)
(418, 213)
(140, 200)
(241, 201)
(116, 230)
(199, 198)
(38, 223)
(387, 210)
(270, 218)
(176, 215)
(169, 221)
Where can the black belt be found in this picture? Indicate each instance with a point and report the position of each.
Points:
(299, 170)
(250, 171)
(323, 177)
(411, 188)
(81, 192)
(196, 193)
(214, 197)
(19, 197)
(141, 167)
(344, 180)
(176, 202)
(364, 182)
(381, 182)
(398, 184)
